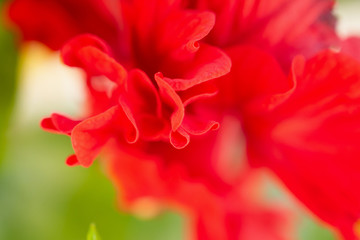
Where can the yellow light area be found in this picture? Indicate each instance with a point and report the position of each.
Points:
(146, 208)
(357, 228)
(46, 85)
(347, 13)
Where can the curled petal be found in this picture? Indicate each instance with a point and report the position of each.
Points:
(197, 126)
(200, 91)
(142, 102)
(170, 97)
(179, 138)
(92, 54)
(89, 136)
(59, 124)
(208, 63)
(141, 95)
(186, 28)
(131, 131)
(296, 70)
(92, 134)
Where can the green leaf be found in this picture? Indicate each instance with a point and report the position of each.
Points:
(93, 234)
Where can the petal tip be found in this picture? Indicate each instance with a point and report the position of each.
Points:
(72, 161)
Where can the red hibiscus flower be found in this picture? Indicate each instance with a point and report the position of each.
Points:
(143, 113)
(129, 103)
(152, 87)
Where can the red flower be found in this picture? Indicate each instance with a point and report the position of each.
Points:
(142, 114)
(159, 83)
(129, 102)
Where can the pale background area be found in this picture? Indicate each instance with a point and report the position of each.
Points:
(348, 13)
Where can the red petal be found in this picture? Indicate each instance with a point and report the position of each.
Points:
(200, 91)
(351, 47)
(89, 136)
(54, 22)
(185, 28)
(143, 102)
(59, 124)
(92, 54)
(281, 27)
(141, 95)
(208, 63)
(143, 15)
(255, 76)
(72, 161)
(296, 70)
(171, 98)
(170, 176)
(312, 139)
(198, 126)
(179, 138)
(132, 132)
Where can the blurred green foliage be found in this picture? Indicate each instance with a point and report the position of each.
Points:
(42, 198)
(311, 230)
(8, 62)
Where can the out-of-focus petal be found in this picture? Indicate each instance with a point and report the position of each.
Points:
(311, 139)
(351, 47)
(53, 22)
(195, 188)
(283, 28)
(255, 75)
(186, 28)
